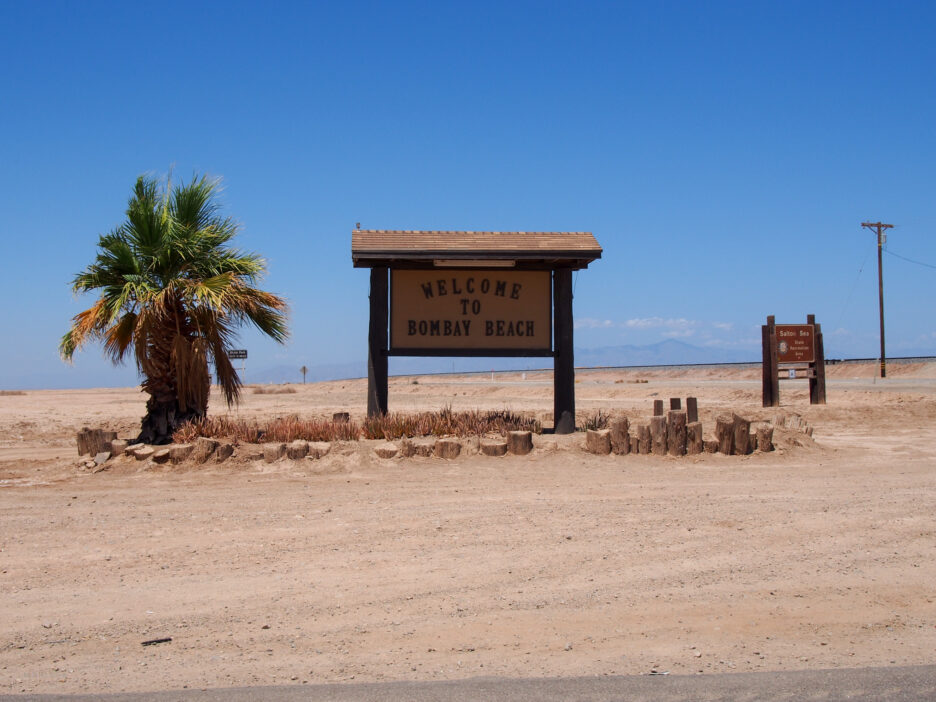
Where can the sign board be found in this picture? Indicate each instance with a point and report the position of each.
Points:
(237, 353)
(795, 343)
(470, 309)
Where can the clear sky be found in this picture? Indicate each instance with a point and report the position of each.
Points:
(724, 155)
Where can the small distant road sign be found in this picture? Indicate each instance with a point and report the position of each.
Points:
(237, 353)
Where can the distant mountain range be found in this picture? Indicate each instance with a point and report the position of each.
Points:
(667, 352)
(664, 353)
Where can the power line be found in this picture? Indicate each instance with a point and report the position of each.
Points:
(910, 260)
(852, 291)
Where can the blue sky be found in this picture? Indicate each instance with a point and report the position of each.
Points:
(724, 155)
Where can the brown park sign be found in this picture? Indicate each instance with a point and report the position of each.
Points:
(795, 343)
(470, 309)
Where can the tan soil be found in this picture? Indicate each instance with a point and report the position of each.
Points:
(556, 563)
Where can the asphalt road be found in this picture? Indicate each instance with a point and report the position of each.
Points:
(893, 684)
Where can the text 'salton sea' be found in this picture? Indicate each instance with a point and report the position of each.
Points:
(471, 309)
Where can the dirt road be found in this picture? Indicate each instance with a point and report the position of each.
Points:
(558, 563)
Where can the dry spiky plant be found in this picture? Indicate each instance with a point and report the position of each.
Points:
(446, 422)
(274, 390)
(395, 425)
(598, 419)
(172, 293)
(251, 431)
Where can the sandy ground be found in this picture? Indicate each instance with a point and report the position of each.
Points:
(817, 555)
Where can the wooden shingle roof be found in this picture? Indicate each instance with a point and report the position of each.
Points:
(383, 247)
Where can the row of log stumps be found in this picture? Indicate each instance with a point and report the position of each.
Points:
(518, 443)
(97, 447)
(678, 432)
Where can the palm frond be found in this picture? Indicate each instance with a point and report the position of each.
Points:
(119, 337)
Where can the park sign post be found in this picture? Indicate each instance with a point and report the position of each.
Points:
(238, 354)
(458, 293)
(798, 349)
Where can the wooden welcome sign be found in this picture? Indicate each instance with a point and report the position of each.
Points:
(456, 293)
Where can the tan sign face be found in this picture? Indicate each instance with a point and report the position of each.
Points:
(795, 343)
(470, 309)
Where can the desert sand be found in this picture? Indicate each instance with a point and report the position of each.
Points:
(351, 567)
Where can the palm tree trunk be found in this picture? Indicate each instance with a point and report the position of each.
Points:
(163, 413)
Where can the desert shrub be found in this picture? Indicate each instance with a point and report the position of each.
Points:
(273, 390)
(280, 429)
(395, 425)
(597, 420)
(446, 422)
(7, 393)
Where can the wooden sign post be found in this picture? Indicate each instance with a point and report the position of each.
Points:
(435, 293)
(793, 351)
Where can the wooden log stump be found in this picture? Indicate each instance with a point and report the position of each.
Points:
(131, 449)
(204, 447)
(519, 443)
(387, 450)
(658, 408)
(694, 443)
(765, 438)
(675, 403)
(273, 451)
(724, 434)
(118, 446)
(424, 448)
(318, 449)
(598, 441)
(634, 443)
(144, 453)
(179, 452)
(446, 448)
(494, 447)
(94, 441)
(224, 452)
(692, 410)
(620, 436)
(742, 435)
(658, 435)
(81, 438)
(297, 450)
(643, 438)
(676, 432)
(161, 456)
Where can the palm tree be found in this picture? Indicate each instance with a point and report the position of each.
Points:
(303, 370)
(173, 292)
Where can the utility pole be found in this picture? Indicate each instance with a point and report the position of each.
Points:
(881, 237)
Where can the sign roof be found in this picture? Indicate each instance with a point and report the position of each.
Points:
(385, 247)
